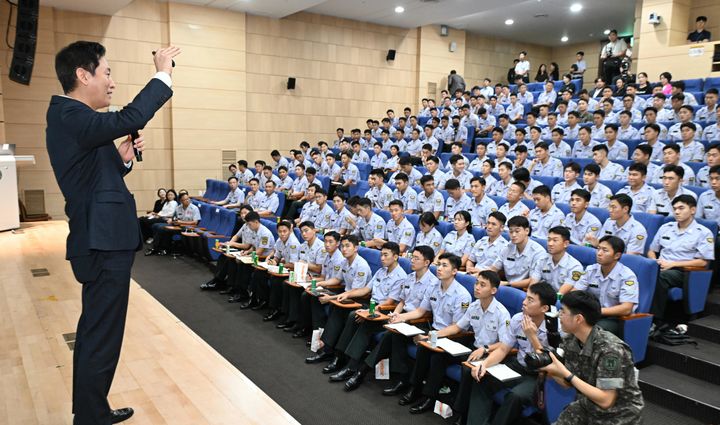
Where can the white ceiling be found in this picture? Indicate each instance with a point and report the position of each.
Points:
(478, 16)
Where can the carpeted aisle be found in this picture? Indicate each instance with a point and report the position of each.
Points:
(274, 361)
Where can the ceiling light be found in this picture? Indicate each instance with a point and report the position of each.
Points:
(606, 32)
(509, 22)
(575, 7)
(564, 39)
(399, 9)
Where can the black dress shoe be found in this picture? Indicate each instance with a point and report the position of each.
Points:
(260, 305)
(226, 291)
(459, 420)
(149, 252)
(319, 357)
(395, 389)
(209, 285)
(283, 325)
(162, 252)
(292, 328)
(334, 366)
(236, 298)
(410, 396)
(308, 343)
(274, 314)
(424, 405)
(120, 415)
(247, 304)
(354, 382)
(344, 374)
(302, 333)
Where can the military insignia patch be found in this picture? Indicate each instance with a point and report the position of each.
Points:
(361, 274)
(436, 243)
(264, 240)
(610, 363)
(507, 323)
(464, 306)
(379, 226)
(408, 233)
(640, 237)
(608, 196)
(594, 229)
(629, 282)
(337, 268)
(710, 240)
(576, 276)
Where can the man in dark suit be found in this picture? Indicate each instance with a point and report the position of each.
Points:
(104, 232)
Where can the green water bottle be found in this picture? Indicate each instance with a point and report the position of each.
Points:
(313, 285)
(254, 258)
(281, 267)
(371, 308)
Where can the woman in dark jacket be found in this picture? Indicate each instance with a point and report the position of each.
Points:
(542, 74)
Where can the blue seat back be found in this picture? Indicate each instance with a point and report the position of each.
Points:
(444, 228)
(364, 170)
(478, 233)
(585, 255)
(542, 242)
(652, 223)
(372, 256)
(405, 264)
(225, 223)
(646, 271)
(468, 282)
(548, 181)
(359, 189)
(414, 219)
(271, 225)
(602, 214)
(613, 185)
(324, 182)
(511, 298)
(382, 213)
(528, 203)
(499, 200)
(281, 204)
(565, 208)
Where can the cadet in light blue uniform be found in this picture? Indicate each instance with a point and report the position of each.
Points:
(629, 230)
(557, 267)
(432, 202)
(429, 235)
(521, 255)
(482, 205)
(269, 205)
(579, 221)
(709, 202)
(398, 229)
(615, 285)
(405, 194)
(489, 247)
(460, 241)
(677, 244)
(457, 201)
(380, 194)
(369, 225)
(546, 214)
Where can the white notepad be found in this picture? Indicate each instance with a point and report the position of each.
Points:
(453, 348)
(500, 371)
(405, 329)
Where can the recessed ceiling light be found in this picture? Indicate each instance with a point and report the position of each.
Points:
(399, 9)
(606, 32)
(575, 7)
(509, 22)
(564, 39)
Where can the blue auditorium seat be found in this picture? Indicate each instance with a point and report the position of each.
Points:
(636, 327)
(695, 166)
(414, 219)
(382, 213)
(478, 233)
(271, 225)
(713, 82)
(499, 200)
(468, 282)
(652, 223)
(405, 264)
(548, 181)
(565, 208)
(528, 203)
(324, 182)
(694, 84)
(602, 214)
(445, 227)
(613, 185)
(364, 170)
(359, 189)
(372, 256)
(584, 254)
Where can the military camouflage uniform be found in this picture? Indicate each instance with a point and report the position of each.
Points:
(605, 362)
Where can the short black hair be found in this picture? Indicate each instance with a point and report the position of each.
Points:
(562, 231)
(352, 239)
(427, 252)
(624, 200)
(582, 193)
(497, 215)
(545, 292)
(454, 260)
(332, 234)
(252, 216)
(616, 244)
(392, 247)
(491, 277)
(636, 166)
(688, 200)
(80, 54)
(584, 303)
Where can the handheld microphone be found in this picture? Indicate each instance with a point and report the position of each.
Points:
(173, 61)
(138, 155)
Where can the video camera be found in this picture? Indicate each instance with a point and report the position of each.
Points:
(535, 361)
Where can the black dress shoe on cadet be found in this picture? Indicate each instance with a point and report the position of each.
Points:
(274, 314)
(210, 285)
(291, 328)
(302, 333)
(149, 252)
(283, 325)
(395, 389)
(120, 415)
(322, 356)
(226, 291)
(344, 374)
(334, 366)
(247, 304)
(459, 420)
(410, 396)
(235, 298)
(354, 382)
(260, 305)
(426, 404)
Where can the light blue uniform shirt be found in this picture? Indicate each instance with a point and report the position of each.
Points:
(447, 306)
(413, 290)
(356, 275)
(619, 286)
(386, 285)
(515, 338)
(489, 326)
(694, 242)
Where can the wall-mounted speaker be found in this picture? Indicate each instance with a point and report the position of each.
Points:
(391, 55)
(291, 83)
(25, 41)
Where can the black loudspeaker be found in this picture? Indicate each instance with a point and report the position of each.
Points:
(291, 83)
(391, 55)
(25, 41)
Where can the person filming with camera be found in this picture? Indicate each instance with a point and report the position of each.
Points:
(597, 364)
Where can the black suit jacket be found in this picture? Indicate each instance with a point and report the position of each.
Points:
(90, 171)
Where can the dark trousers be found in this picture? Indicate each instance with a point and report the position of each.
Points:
(356, 338)
(430, 368)
(293, 210)
(99, 333)
(223, 268)
(666, 279)
(259, 285)
(146, 225)
(334, 327)
(612, 325)
(521, 394)
(162, 236)
(240, 278)
(276, 288)
(292, 299)
(393, 346)
(462, 397)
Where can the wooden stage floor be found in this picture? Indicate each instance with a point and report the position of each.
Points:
(166, 372)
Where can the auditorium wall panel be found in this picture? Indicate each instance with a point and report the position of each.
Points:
(342, 77)
(487, 56)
